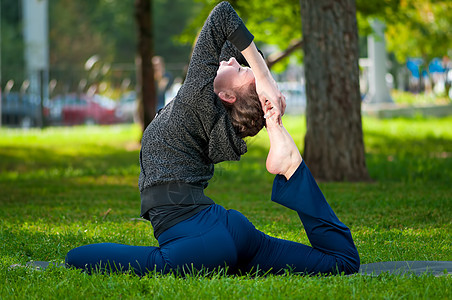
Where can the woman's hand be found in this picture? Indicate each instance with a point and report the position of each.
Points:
(268, 90)
(271, 114)
(266, 87)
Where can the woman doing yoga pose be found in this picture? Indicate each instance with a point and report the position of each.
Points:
(220, 103)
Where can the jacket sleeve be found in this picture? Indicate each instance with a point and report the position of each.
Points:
(229, 50)
(223, 24)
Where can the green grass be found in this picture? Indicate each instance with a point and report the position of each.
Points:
(65, 187)
(407, 98)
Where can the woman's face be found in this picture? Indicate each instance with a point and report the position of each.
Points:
(231, 75)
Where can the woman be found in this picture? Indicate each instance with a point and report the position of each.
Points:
(218, 105)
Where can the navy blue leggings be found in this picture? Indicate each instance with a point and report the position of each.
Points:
(216, 237)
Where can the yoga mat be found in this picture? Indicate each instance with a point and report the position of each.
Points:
(37, 265)
(437, 268)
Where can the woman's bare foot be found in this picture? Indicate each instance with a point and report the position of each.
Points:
(283, 157)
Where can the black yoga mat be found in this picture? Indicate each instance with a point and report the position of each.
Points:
(437, 268)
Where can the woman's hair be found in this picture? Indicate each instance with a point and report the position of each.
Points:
(246, 112)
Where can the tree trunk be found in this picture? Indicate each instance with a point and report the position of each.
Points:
(334, 147)
(145, 72)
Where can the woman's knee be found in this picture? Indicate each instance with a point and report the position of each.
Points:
(115, 257)
(87, 257)
(353, 264)
(76, 258)
(348, 263)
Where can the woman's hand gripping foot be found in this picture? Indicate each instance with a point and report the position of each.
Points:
(283, 157)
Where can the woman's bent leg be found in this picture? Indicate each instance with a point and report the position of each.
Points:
(333, 249)
(258, 252)
(106, 257)
(201, 242)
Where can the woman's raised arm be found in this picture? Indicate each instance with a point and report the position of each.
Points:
(266, 87)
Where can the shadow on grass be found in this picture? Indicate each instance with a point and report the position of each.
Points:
(64, 200)
(92, 160)
(82, 184)
(32, 242)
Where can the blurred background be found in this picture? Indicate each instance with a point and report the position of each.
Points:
(65, 62)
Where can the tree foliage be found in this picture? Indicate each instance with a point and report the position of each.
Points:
(424, 30)
(106, 28)
(414, 27)
(75, 34)
(11, 42)
(275, 22)
(171, 17)
(81, 29)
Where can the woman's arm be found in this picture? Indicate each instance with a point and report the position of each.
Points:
(222, 24)
(229, 50)
(266, 87)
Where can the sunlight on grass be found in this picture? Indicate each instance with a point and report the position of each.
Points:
(407, 98)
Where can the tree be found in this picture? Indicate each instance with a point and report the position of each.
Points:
(156, 37)
(334, 147)
(145, 71)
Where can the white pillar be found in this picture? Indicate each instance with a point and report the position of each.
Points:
(36, 32)
(378, 90)
(1, 64)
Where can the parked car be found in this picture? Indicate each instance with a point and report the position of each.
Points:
(56, 105)
(82, 109)
(126, 109)
(22, 110)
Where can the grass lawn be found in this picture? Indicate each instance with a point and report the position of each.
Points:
(65, 187)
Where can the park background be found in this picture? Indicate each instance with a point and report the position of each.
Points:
(63, 187)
